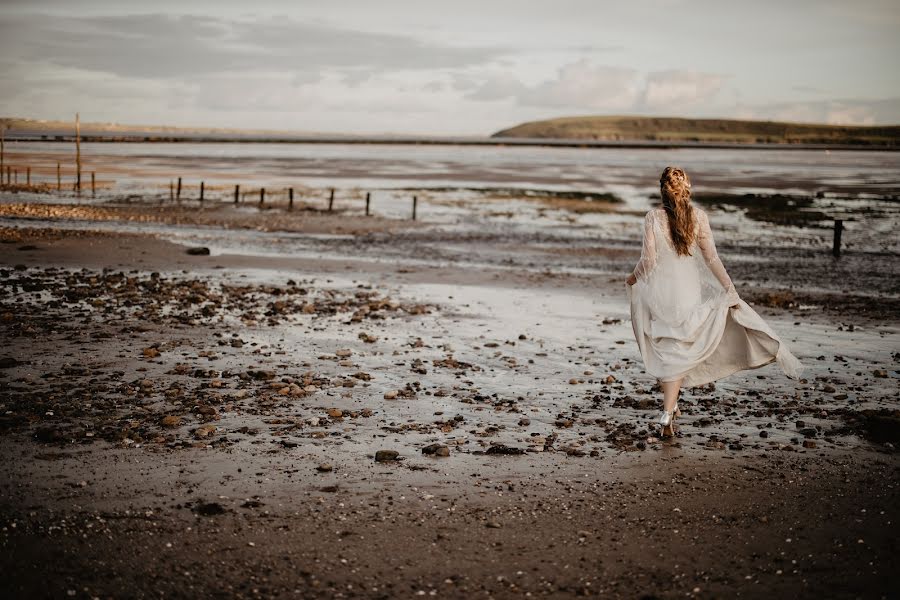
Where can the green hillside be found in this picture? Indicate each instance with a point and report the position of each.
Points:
(702, 130)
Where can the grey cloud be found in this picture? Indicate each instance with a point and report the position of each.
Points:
(160, 46)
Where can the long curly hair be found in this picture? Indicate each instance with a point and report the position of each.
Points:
(675, 189)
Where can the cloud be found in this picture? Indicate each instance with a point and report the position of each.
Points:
(165, 47)
(834, 112)
(577, 85)
(581, 85)
(679, 89)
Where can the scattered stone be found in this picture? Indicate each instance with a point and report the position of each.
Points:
(8, 362)
(880, 373)
(809, 443)
(198, 251)
(170, 421)
(524, 422)
(503, 449)
(367, 338)
(324, 468)
(343, 353)
(204, 431)
(151, 352)
(386, 455)
(493, 525)
(436, 450)
(391, 395)
(209, 509)
(335, 413)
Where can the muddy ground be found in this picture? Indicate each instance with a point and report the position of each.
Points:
(176, 425)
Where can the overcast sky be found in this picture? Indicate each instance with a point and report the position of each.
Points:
(460, 67)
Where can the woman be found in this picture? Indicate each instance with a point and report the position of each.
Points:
(690, 324)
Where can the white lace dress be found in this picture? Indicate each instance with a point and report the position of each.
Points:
(687, 317)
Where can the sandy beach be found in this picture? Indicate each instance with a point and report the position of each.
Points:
(234, 401)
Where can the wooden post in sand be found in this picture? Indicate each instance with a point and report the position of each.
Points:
(28, 176)
(201, 191)
(290, 198)
(93, 183)
(331, 200)
(77, 153)
(262, 196)
(838, 228)
(415, 201)
(171, 190)
(58, 177)
(237, 194)
(368, 196)
(2, 151)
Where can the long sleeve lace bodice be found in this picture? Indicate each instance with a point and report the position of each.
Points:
(711, 257)
(657, 241)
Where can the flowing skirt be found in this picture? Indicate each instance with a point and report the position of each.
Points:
(708, 343)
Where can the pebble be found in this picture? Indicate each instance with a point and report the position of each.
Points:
(386, 455)
(324, 468)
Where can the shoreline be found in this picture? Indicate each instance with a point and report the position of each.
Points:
(139, 138)
(195, 426)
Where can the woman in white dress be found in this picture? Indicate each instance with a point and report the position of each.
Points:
(689, 322)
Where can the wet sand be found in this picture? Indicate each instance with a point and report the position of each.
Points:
(202, 426)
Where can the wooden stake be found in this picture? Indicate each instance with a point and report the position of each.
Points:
(93, 183)
(28, 176)
(2, 153)
(78, 152)
(171, 190)
(58, 178)
(201, 191)
(262, 196)
(838, 228)
(331, 200)
(368, 195)
(237, 194)
(290, 198)
(178, 190)
(415, 201)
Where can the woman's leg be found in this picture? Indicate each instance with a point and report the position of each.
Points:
(670, 393)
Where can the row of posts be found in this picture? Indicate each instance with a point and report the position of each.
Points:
(12, 178)
(175, 195)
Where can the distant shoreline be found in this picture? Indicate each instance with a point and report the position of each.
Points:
(149, 138)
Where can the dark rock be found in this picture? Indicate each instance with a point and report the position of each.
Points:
(8, 362)
(502, 449)
(209, 509)
(198, 251)
(386, 455)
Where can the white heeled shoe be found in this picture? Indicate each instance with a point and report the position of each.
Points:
(667, 420)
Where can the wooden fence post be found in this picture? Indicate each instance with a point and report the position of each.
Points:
(2, 152)
(331, 200)
(290, 198)
(171, 190)
(178, 190)
(262, 195)
(28, 176)
(368, 196)
(415, 201)
(93, 183)
(201, 191)
(237, 194)
(838, 228)
(78, 153)
(58, 177)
